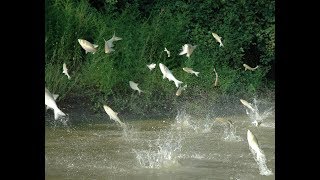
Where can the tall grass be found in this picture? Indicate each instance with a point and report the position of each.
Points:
(106, 77)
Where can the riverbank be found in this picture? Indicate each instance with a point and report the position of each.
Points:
(84, 108)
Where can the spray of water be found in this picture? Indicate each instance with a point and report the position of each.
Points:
(229, 134)
(260, 159)
(162, 153)
(256, 117)
(184, 121)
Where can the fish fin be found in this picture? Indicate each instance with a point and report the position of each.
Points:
(87, 52)
(55, 96)
(196, 73)
(95, 46)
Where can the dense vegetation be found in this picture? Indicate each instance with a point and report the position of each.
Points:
(247, 28)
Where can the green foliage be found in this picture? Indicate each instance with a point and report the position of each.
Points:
(247, 29)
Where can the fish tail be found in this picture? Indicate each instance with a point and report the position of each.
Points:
(196, 73)
(58, 113)
(177, 83)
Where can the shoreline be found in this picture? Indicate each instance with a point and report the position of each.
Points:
(83, 108)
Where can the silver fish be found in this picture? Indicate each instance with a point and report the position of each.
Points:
(253, 142)
(65, 70)
(113, 115)
(151, 66)
(168, 52)
(134, 86)
(87, 46)
(216, 81)
(248, 105)
(190, 70)
(51, 103)
(108, 45)
(217, 38)
(55, 97)
(167, 74)
(187, 49)
(179, 91)
(249, 68)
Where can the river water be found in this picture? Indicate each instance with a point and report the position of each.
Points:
(181, 147)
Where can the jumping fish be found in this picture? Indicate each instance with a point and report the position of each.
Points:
(253, 143)
(190, 70)
(113, 115)
(179, 91)
(167, 74)
(65, 70)
(248, 105)
(187, 49)
(51, 103)
(216, 81)
(87, 46)
(218, 38)
(55, 97)
(249, 68)
(134, 86)
(258, 153)
(168, 52)
(151, 66)
(108, 45)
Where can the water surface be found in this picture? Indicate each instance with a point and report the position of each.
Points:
(184, 147)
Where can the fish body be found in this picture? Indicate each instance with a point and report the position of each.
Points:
(87, 46)
(55, 97)
(108, 45)
(51, 103)
(190, 70)
(249, 68)
(151, 66)
(181, 88)
(167, 74)
(65, 70)
(113, 115)
(134, 86)
(168, 52)
(217, 38)
(216, 81)
(248, 105)
(253, 142)
(187, 49)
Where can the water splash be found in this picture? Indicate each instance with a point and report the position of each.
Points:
(229, 134)
(162, 154)
(185, 122)
(255, 117)
(62, 121)
(260, 158)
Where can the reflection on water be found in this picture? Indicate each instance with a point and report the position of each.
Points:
(185, 147)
